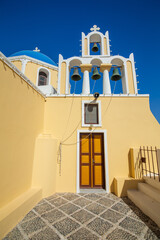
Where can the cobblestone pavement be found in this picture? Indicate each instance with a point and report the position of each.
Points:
(85, 217)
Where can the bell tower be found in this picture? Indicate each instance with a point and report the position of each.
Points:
(95, 40)
(96, 63)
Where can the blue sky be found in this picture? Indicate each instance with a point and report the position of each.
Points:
(56, 26)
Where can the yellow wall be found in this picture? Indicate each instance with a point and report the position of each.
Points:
(18, 64)
(85, 46)
(63, 77)
(54, 78)
(130, 78)
(105, 46)
(31, 133)
(22, 110)
(126, 127)
(150, 164)
(44, 168)
(31, 72)
(16, 210)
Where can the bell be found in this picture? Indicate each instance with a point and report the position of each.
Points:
(95, 47)
(96, 74)
(115, 76)
(76, 76)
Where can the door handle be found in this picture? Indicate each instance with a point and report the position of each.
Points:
(93, 161)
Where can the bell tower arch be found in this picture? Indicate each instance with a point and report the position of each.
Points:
(98, 40)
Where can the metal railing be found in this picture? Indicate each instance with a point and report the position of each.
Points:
(150, 162)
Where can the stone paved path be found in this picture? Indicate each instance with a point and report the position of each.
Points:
(85, 217)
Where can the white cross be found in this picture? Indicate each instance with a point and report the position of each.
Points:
(36, 49)
(94, 28)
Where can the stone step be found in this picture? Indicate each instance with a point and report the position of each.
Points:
(153, 182)
(150, 191)
(149, 206)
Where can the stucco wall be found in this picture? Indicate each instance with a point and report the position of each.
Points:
(128, 121)
(130, 77)
(22, 110)
(18, 64)
(32, 69)
(63, 78)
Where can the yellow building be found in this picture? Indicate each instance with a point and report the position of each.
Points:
(53, 140)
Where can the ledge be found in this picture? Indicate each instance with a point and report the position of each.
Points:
(13, 212)
(101, 95)
(122, 184)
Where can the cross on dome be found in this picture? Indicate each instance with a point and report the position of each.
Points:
(36, 49)
(95, 28)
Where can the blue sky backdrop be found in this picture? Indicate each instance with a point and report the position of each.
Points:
(55, 27)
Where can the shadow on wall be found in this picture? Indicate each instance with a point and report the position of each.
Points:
(144, 161)
(122, 184)
(112, 189)
(134, 163)
(130, 184)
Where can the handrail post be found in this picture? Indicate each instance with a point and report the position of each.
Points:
(145, 158)
(157, 164)
(141, 161)
(148, 161)
(153, 162)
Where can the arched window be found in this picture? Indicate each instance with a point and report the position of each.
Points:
(75, 87)
(121, 86)
(43, 77)
(95, 38)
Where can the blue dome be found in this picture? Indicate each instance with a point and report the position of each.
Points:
(37, 55)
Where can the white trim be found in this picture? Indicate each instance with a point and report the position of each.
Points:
(105, 157)
(24, 63)
(101, 43)
(99, 113)
(123, 59)
(106, 82)
(48, 77)
(103, 95)
(126, 78)
(103, 59)
(108, 44)
(67, 91)
(15, 69)
(83, 37)
(59, 73)
(30, 59)
(86, 83)
(133, 72)
(124, 87)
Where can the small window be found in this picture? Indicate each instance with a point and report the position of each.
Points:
(42, 79)
(91, 113)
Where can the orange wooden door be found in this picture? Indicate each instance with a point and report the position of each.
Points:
(92, 160)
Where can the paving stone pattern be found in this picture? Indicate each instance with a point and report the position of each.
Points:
(87, 216)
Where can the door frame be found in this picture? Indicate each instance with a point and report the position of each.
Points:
(105, 157)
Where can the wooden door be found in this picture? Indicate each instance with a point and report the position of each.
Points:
(92, 160)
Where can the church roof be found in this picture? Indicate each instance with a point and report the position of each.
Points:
(36, 55)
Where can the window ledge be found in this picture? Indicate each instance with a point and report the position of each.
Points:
(91, 125)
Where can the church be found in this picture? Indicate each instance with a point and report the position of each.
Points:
(57, 139)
